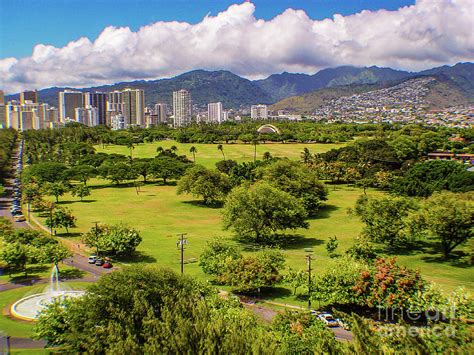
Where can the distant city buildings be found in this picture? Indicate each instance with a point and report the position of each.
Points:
(259, 112)
(68, 101)
(3, 115)
(97, 100)
(182, 108)
(31, 96)
(133, 107)
(215, 114)
(161, 111)
(88, 115)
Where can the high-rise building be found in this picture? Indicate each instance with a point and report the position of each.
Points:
(259, 112)
(117, 121)
(3, 112)
(215, 114)
(182, 108)
(88, 115)
(68, 102)
(133, 107)
(115, 102)
(99, 101)
(2, 97)
(161, 111)
(29, 96)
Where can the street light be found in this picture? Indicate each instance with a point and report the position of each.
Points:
(182, 241)
(309, 251)
(96, 231)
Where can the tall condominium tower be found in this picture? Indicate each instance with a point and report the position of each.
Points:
(182, 108)
(115, 102)
(99, 101)
(215, 112)
(2, 97)
(259, 112)
(68, 102)
(3, 112)
(29, 96)
(161, 111)
(134, 107)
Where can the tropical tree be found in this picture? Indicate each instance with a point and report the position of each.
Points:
(55, 189)
(54, 253)
(255, 143)
(306, 156)
(118, 239)
(80, 191)
(61, 217)
(217, 254)
(193, 150)
(16, 255)
(165, 167)
(221, 149)
(267, 156)
(331, 246)
(296, 279)
(259, 212)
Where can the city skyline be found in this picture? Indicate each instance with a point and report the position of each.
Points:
(254, 40)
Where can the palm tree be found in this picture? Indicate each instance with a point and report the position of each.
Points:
(221, 148)
(159, 149)
(306, 155)
(174, 148)
(194, 151)
(255, 142)
(130, 146)
(267, 156)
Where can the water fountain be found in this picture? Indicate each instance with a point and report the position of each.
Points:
(29, 307)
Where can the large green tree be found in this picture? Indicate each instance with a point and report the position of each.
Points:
(259, 212)
(116, 239)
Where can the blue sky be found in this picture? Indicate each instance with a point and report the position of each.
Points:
(25, 23)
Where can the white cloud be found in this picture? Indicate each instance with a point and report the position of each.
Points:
(430, 33)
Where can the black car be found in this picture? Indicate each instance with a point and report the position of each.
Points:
(99, 262)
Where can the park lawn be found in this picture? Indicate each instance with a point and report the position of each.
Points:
(208, 154)
(23, 329)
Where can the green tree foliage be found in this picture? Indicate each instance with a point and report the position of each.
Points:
(303, 333)
(386, 218)
(209, 184)
(55, 189)
(226, 166)
(118, 172)
(48, 172)
(296, 179)
(54, 253)
(362, 250)
(449, 219)
(434, 175)
(137, 311)
(331, 246)
(217, 254)
(165, 167)
(82, 173)
(296, 279)
(61, 218)
(119, 239)
(259, 212)
(6, 227)
(142, 167)
(80, 191)
(251, 272)
(336, 284)
(16, 255)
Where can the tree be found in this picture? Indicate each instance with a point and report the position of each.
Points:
(131, 146)
(61, 217)
(82, 173)
(298, 180)
(306, 156)
(118, 172)
(80, 191)
(386, 218)
(258, 212)
(226, 166)
(143, 316)
(296, 279)
(212, 185)
(55, 189)
(16, 255)
(387, 284)
(255, 143)
(54, 253)
(267, 156)
(165, 167)
(193, 150)
(221, 148)
(449, 219)
(142, 167)
(331, 246)
(217, 254)
(48, 172)
(250, 273)
(116, 239)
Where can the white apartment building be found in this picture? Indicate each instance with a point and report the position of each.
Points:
(259, 112)
(182, 108)
(215, 114)
(161, 111)
(68, 102)
(88, 115)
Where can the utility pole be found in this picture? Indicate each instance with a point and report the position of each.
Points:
(309, 258)
(182, 241)
(96, 231)
(51, 220)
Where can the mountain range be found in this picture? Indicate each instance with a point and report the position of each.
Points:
(234, 91)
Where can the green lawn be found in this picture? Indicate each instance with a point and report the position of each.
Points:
(208, 154)
(160, 215)
(18, 328)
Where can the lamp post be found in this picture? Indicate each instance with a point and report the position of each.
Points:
(96, 231)
(182, 241)
(309, 251)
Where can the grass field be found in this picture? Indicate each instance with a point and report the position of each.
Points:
(160, 215)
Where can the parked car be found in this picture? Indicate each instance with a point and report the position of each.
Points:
(19, 218)
(107, 265)
(92, 259)
(328, 319)
(99, 262)
(343, 323)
